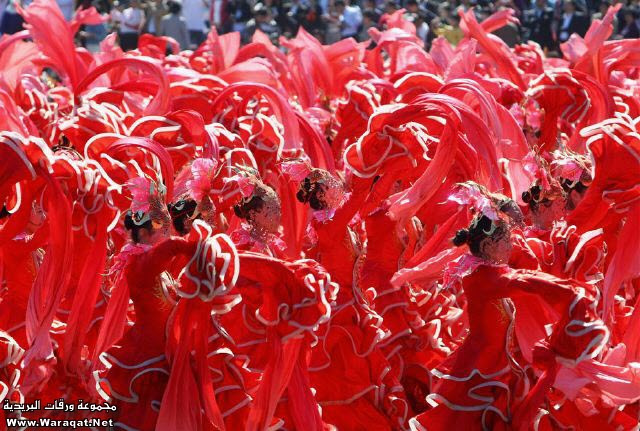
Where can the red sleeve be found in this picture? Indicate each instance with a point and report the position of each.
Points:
(162, 253)
(263, 269)
(579, 334)
(523, 258)
(557, 292)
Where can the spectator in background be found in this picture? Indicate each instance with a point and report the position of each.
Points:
(91, 35)
(279, 13)
(66, 7)
(430, 10)
(629, 26)
(239, 14)
(558, 8)
(194, 12)
(332, 25)
(307, 14)
(115, 16)
(131, 25)
(219, 14)
(422, 28)
(445, 13)
(391, 6)
(263, 21)
(434, 25)
(174, 25)
(412, 6)
(538, 23)
(155, 10)
(571, 22)
(273, 8)
(451, 31)
(370, 5)
(350, 18)
(368, 21)
(11, 20)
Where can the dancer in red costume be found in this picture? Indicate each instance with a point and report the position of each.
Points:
(291, 303)
(206, 388)
(484, 381)
(365, 384)
(135, 369)
(556, 247)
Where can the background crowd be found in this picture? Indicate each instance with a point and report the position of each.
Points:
(548, 23)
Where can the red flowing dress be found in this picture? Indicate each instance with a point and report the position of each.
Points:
(136, 368)
(483, 381)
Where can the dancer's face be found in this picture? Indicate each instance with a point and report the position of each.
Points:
(262, 210)
(151, 236)
(498, 246)
(547, 211)
(267, 218)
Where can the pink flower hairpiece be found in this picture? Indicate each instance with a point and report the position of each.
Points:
(203, 172)
(567, 167)
(534, 165)
(243, 182)
(324, 215)
(143, 189)
(472, 196)
(297, 170)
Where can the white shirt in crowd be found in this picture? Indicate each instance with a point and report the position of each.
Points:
(566, 21)
(152, 26)
(422, 31)
(131, 20)
(3, 5)
(352, 18)
(216, 5)
(116, 17)
(195, 12)
(324, 5)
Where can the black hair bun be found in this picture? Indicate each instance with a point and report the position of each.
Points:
(461, 238)
(579, 186)
(135, 222)
(238, 209)
(304, 191)
(308, 193)
(183, 207)
(243, 208)
(180, 211)
(128, 221)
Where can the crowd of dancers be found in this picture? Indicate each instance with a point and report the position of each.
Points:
(336, 238)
